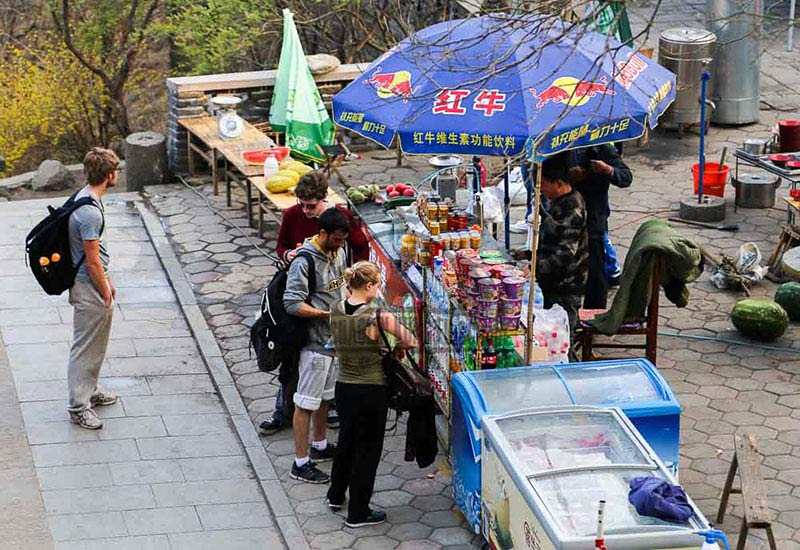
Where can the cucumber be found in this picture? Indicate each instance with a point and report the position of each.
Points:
(391, 204)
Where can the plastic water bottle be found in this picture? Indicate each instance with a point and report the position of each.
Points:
(538, 297)
(270, 166)
(711, 537)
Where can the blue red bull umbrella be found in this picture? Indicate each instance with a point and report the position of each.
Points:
(489, 85)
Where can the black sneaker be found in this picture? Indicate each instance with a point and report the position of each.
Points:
(271, 427)
(375, 517)
(323, 455)
(335, 506)
(309, 473)
(333, 420)
(613, 281)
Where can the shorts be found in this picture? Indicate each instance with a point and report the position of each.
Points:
(317, 380)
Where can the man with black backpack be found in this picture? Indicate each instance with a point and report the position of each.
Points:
(317, 366)
(92, 295)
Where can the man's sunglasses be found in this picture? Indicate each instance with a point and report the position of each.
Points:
(306, 206)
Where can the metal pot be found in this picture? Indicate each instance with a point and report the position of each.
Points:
(756, 146)
(756, 190)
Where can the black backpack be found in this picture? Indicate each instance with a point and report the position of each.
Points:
(277, 336)
(47, 247)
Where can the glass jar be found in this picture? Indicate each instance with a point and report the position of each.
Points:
(434, 228)
(475, 239)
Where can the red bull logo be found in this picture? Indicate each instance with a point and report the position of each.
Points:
(571, 91)
(396, 84)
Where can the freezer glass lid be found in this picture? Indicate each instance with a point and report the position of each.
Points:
(594, 385)
(572, 499)
(568, 440)
(503, 391)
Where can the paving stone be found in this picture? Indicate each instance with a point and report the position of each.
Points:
(102, 499)
(176, 404)
(431, 503)
(375, 543)
(403, 514)
(447, 536)
(418, 545)
(84, 452)
(79, 526)
(388, 482)
(127, 428)
(189, 446)
(235, 516)
(179, 384)
(332, 541)
(422, 487)
(145, 471)
(442, 518)
(74, 477)
(323, 523)
(240, 539)
(214, 468)
(162, 520)
(409, 531)
(193, 493)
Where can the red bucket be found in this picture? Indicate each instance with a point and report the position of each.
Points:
(714, 179)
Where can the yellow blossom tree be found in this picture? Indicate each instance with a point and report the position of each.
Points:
(48, 100)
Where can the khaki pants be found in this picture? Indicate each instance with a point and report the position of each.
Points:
(91, 328)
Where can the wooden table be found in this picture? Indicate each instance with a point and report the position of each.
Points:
(280, 201)
(790, 234)
(203, 139)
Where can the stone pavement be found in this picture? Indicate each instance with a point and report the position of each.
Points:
(169, 469)
(726, 386)
(228, 273)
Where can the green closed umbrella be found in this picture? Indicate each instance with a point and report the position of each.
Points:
(297, 108)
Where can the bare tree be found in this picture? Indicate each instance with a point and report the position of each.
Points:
(112, 56)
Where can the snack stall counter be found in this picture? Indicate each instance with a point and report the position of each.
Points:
(458, 288)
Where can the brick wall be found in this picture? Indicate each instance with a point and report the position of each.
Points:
(189, 97)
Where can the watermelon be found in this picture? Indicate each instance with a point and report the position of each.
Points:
(759, 319)
(788, 297)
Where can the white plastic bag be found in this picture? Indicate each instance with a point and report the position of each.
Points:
(746, 264)
(551, 330)
(517, 194)
(492, 207)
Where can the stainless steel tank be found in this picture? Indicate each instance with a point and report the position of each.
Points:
(735, 82)
(687, 52)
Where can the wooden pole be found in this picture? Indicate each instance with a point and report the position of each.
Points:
(534, 248)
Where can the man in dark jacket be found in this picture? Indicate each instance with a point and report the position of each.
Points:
(592, 171)
(562, 256)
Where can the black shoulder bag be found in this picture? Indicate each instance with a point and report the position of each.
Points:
(408, 386)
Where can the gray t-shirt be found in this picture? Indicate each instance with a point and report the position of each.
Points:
(85, 224)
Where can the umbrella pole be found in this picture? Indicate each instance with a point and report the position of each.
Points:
(507, 205)
(537, 192)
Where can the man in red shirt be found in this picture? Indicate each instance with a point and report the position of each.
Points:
(299, 222)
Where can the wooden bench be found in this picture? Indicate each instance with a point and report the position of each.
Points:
(747, 460)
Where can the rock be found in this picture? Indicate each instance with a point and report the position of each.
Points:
(322, 63)
(15, 182)
(53, 175)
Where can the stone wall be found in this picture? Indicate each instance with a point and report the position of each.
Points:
(189, 97)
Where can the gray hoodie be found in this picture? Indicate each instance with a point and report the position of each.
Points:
(330, 288)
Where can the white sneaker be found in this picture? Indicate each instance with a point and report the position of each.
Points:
(86, 419)
(103, 399)
(519, 227)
